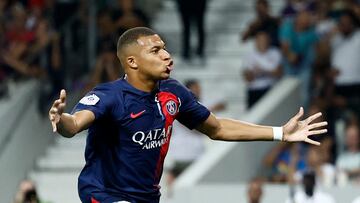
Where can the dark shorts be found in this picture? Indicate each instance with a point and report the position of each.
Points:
(111, 199)
(123, 200)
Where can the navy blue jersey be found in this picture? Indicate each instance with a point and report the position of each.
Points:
(127, 143)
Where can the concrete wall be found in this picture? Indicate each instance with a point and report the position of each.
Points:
(28, 138)
(231, 193)
(234, 162)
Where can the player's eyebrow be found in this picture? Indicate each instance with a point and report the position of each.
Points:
(158, 47)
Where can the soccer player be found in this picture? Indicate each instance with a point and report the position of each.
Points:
(129, 123)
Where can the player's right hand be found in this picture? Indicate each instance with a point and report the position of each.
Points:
(57, 109)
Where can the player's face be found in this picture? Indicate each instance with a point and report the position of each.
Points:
(153, 61)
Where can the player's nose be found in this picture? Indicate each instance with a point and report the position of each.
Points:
(165, 55)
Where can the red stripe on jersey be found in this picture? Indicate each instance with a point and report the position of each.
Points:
(170, 107)
(94, 200)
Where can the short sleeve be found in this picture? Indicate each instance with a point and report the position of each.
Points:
(100, 101)
(191, 112)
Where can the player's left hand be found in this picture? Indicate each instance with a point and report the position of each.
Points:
(296, 130)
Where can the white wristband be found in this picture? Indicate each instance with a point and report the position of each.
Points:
(278, 133)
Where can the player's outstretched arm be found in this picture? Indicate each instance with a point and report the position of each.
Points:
(66, 124)
(295, 130)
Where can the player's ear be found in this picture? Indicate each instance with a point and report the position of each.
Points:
(127, 57)
(131, 61)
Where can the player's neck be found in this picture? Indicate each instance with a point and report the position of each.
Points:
(141, 84)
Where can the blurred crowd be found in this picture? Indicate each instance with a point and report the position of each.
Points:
(318, 42)
(30, 46)
(49, 40)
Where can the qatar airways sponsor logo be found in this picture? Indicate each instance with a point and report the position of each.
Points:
(153, 139)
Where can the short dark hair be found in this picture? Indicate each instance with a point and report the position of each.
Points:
(131, 35)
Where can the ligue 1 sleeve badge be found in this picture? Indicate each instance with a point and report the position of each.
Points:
(89, 100)
(171, 107)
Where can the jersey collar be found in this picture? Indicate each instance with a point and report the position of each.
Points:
(131, 89)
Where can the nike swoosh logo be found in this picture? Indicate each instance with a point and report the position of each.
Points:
(132, 115)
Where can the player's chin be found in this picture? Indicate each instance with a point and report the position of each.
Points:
(164, 76)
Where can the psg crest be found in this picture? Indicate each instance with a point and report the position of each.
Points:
(171, 107)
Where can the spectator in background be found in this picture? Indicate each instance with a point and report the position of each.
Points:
(35, 10)
(30, 47)
(112, 23)
(322, 94)
(17, 31)
(337, 7)
(289, 162)
(13, 61)
(38, 57)
(355, 6)
(188, 145)
(345, 61)
(297, 39)
(107, 32)
(127, 16)
(78, 43)
(4, 17)
(107, 67)
(192, 13)
(16, 39)
(285, 157)
(328, 146)
(45, 53)
(264, 22)
(349, 161)
(49, 9)
(310, 194)
(293, 7)
(27, 193)
(60, 11)
(262, 68)
(255, 191)
(316, 161)
(324, 24)
(322, 83)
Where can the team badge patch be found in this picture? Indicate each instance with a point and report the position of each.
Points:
(90, 100)
(171, 107)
